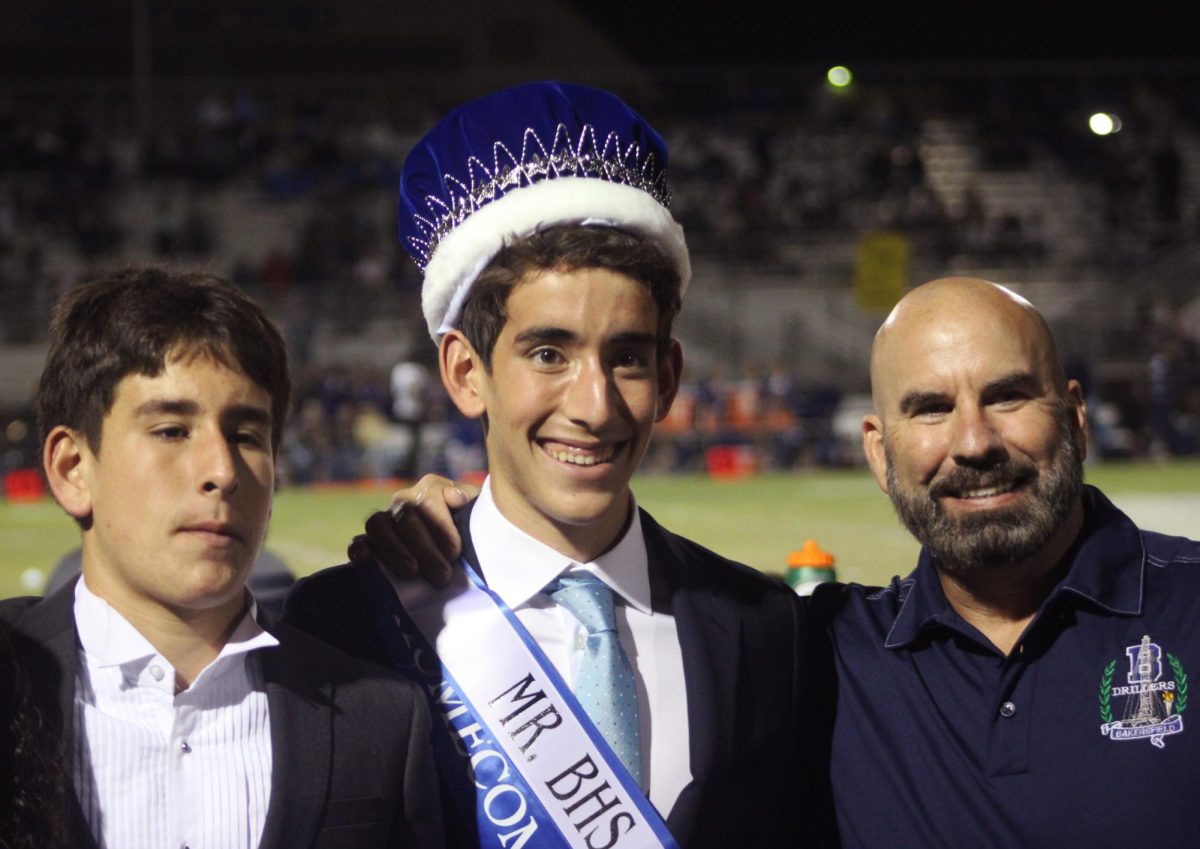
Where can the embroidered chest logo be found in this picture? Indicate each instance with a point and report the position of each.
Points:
(1150, 701)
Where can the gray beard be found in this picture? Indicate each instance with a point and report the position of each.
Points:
(999, 538)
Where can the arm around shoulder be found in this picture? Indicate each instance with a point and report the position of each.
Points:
(331, 605)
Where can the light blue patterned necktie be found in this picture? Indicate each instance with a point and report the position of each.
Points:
(606, 687)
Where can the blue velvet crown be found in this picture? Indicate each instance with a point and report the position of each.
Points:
(487, 152)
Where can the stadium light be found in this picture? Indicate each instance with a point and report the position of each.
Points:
(839, 76)
(1104, 124)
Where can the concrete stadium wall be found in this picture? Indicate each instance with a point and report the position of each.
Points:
(19, 371)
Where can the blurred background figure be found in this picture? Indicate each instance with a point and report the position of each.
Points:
(411, 386)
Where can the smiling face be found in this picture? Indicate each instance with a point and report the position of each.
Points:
(176, 502)
(977, 438)
(573, 392)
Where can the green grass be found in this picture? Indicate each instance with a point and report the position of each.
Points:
(756, 520)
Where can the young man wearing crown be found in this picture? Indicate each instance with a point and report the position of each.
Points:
(602, 681)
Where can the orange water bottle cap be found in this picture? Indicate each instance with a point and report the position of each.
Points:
(810, 556)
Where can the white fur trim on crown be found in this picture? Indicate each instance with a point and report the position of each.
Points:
(465, 250)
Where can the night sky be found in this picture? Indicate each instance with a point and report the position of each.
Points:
(755, 32)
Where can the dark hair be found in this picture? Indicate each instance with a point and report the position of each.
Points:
(130, 322)
(568, 247)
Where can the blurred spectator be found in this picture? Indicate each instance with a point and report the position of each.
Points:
(768, 179)
(411, 385)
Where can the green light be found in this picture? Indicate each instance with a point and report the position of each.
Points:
(839, 76)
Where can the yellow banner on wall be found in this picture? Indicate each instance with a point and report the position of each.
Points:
(881, 271)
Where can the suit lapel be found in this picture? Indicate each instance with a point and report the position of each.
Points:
(710, 639)
(300, 710)
(50, 623)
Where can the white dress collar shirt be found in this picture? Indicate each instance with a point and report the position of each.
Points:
(154, 768)
(518, 567)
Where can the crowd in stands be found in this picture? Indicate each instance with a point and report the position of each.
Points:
(67, 173)
(747, 180)
(1172, 418)
(348, 426)
(751, 183)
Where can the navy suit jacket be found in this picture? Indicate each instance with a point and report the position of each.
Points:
(758, 779)
(341, 774)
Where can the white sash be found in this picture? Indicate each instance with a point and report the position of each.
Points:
(542, 774)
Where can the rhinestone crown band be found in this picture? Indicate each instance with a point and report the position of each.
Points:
(565, 159)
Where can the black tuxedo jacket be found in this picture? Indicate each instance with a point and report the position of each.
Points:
(351, 761)
(759, 779)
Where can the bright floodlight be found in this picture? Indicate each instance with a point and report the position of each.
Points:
(839, 76)
(1104, 124)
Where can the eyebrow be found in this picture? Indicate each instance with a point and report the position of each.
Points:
(545, 335)
(634, 337)
(1017, 380)
(560, 335)
(167, 406)
(239, 413)
(917, 398)
(248, 414)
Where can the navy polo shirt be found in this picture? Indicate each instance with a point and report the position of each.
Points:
(1087, 734)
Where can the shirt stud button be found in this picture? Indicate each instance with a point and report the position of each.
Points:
(156, 672)
(1008, 709)
(187, 750)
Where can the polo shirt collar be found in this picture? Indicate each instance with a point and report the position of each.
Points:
(1107, 545)
(517, 567)
(923, 605)
(1100, 573)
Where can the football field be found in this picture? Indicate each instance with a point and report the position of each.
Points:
(757, 520)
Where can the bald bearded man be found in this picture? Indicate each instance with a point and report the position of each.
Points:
(1027, 684)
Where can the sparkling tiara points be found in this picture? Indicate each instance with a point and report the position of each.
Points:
(582, 158)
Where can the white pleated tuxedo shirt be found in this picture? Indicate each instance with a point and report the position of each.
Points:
(517, 568)
(158, 770)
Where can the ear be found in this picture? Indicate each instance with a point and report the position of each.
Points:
(670, 370)
(462, 374)
(872, 433)
(66, 458)
(1077, 411)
